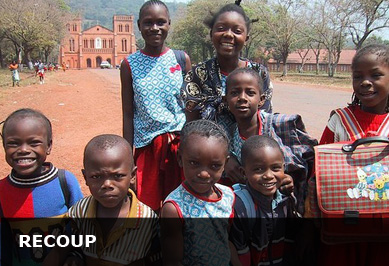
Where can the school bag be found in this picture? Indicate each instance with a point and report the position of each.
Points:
(352, 185)
(181, 60)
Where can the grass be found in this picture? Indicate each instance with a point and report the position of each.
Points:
(27, 77)
(342, 80)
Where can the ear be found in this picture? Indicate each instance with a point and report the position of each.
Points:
(247, 38)
(242, 171)
(210, 34)
(179, 157)
(138, 23)
(262, 99)
(84, 175)
(49, 145)
(133, 178)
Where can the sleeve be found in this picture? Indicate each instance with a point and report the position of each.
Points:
(238, 236)
(327, 137)
(191, 90)
(74, 188)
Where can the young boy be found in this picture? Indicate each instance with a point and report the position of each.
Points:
(109, 173)
(35, 188)
(257, 233)
(244, 97)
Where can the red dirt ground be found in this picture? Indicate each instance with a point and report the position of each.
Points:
(75, 101)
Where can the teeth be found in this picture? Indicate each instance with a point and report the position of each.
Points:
(268, 185)
(227, 44)
(25, 161)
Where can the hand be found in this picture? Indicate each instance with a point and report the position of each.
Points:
(287, 185)
(231, 169)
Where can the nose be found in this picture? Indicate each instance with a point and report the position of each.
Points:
(366, 83)
(24, 148)
(228, 33)
(268, 174)
(154, 27)
(242, 97)
(203, 174)
(107, 184)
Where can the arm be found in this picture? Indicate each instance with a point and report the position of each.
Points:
(171, 235)
(231, 170)
(240, 252)
(127, 102)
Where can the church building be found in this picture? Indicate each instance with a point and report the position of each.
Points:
(87, 49)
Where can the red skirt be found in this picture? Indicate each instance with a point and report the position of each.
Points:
(158, 171)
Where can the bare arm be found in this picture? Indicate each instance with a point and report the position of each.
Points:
(127, 102)
(171, 235)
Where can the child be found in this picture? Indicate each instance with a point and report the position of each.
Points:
(369, 116)
(15, 73)
(34, 188)
(204, 85)
(109, 172)
(244, 96)
(203, 153)
(259, 238)
(41, 73)
(152, 116)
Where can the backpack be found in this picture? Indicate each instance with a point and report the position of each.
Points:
(181, 60)
(64, 187)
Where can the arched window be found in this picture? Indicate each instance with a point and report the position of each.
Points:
(124, 45)
(92, 43)
(104, 43)
(110, 43)
(127, 28)
(120, 27)
(85, 43)
(71, 45)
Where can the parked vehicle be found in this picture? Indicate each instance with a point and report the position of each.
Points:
(105, 64)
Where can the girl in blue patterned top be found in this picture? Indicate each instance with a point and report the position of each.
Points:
(152, 116)
(203, 153)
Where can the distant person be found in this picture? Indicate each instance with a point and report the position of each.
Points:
(366, 116)
(34, 188)
(41, 73)
(186, 239)
(63, 65)
(126, 229)
(13, 67)
(153, 117)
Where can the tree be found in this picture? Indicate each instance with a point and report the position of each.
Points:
(370, 16)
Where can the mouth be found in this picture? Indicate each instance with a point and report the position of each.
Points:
(227, 44)
(108, 196)
(367, 94)
(242, 108)
(24, 161)
(269, 185)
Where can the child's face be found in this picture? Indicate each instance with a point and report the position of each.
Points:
(109, 174)
(371, 83)
(264, 170)
(203, 160)
(229, 34)
(154, 25)
(26, 145)
(244, 96)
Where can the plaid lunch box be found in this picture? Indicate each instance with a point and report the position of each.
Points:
(352, 185)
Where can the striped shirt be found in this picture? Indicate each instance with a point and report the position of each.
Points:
(129, 242)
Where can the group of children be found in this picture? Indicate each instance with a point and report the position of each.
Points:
(211, 149)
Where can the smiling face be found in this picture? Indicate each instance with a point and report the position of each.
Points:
(229, 34)
(244, 96)
(154, 24)
(108, 174)
(264, 170)
(371, 83)
(26, 145)
(203, 159)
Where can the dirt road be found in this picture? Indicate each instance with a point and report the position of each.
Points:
(84, 103)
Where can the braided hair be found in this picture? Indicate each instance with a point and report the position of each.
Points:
(151, 3)
(203, 128)
(28, 113)
(382, 53)
(210, 22)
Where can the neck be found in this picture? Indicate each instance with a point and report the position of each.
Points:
(154, 51)
(248, 127)
(378, 109)
(229, 64)
(120, 211)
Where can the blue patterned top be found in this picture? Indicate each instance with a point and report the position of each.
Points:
(205, 240)
(156, 84)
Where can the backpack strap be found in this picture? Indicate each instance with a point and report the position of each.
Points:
(64, 187)
(350, 123)
(241, 191)
(384, 128)
(181, 60)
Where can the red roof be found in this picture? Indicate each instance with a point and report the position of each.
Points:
(346, 57)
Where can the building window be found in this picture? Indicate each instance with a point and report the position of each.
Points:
(85, 43)
(120, 28)
(104, 43)
(127, 28)
(74, 27)
(71, 45)
(124, 45)
(110, 43)
(98, 43)
(68, 27)
(92, 43)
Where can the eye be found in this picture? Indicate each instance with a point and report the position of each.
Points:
(238, 31)
(251, 93)
(95, 177)
(194, 163)
(216, 166)
(220, 28)
(233, 93)
(118, 176)
(35, 143)
(161, 22)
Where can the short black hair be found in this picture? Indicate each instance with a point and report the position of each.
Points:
(150, 3)
(105, 142)
(30, 113)
(257, 142)
(204, 128)
(249, 71)
(210, 22)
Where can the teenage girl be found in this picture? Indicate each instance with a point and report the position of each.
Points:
(369, 113)
(204, 85)
(186, 241)
(152, 115)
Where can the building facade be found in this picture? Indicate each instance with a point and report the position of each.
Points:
(87, 49)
